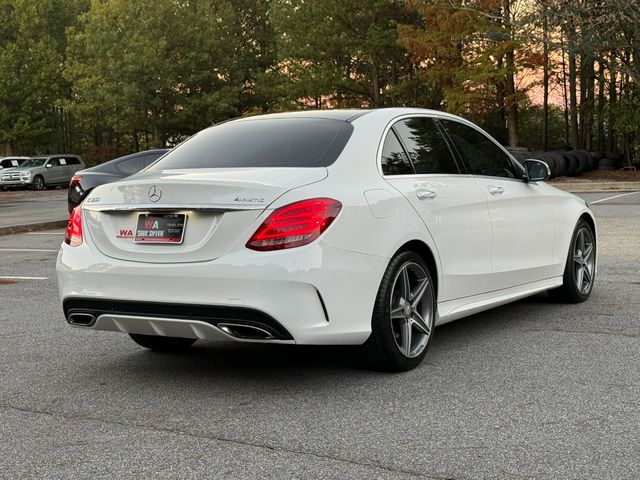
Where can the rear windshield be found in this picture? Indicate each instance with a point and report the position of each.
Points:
(274, 142)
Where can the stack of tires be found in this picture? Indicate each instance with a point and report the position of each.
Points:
(572, 163)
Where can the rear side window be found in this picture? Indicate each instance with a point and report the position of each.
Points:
(426, 146)
(481, 155)
(394, 159)
(73, 161)
(272, 142)
(8, 163)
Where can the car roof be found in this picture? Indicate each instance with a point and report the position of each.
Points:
(56, 155)
(346, 115)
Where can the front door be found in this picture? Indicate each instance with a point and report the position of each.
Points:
(523, 227)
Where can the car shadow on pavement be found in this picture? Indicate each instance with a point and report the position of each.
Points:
(271, 362)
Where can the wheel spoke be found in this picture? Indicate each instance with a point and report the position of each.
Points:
(405, 336)
(418, 292)
(587, 274)
(406, 286)
(581, 240)
(577, 259)
(580, 277)
(588, 251)
(420, 324)
(397, 312)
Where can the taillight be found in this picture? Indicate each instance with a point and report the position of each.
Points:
(75, 180)
(295, 224)
(73, 235)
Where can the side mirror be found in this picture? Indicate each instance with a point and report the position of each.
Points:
(537, 170)
(48, 165)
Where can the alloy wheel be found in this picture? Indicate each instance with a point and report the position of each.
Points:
(38, 183)
(584, 260)
(411, 309)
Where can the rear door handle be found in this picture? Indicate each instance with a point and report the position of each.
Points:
(495, 190)
(423, 194)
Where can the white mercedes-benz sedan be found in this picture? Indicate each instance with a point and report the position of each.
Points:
(357, 227)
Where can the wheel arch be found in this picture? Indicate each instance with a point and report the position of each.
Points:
(587, 217)
(427, 255)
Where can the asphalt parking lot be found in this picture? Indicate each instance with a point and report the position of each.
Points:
(529, 390)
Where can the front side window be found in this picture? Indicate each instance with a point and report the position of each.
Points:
(34, 162)
(394, 159)
(426, 146)
(479, 152)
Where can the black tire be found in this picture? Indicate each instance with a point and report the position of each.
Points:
(569, 291)
(382, 351)
(38, 183)
(162, 344)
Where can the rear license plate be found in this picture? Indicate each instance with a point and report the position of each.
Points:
(160, 228)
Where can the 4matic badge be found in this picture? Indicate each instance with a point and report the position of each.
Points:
(248, 200)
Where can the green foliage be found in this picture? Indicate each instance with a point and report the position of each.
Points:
(102, 77)
(344, 54)
(32, 45)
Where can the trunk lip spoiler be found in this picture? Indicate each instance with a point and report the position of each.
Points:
(143, 207)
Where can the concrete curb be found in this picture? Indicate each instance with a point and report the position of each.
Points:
(30, 227)
(596, 187)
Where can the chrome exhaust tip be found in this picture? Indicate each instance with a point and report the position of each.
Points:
(248, 332)
(81, 319)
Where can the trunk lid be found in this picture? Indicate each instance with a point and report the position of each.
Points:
(219, 204)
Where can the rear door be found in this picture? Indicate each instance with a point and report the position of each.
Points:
(73, 165)
(51, 173)
(418, 162)
(523, 228)
(65, 170)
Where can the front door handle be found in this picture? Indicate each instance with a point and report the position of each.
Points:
(423, 194)
(495, 190)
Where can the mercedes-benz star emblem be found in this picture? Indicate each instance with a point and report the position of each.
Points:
(155, 193)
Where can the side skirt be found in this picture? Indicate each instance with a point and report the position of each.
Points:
(463, 307)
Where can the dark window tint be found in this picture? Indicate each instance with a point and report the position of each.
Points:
(479, 152)
(54, 162)
(394, 159)
(426, 146)
(10, 162)
(73, 161)
(130, 166)
(149, 159)
(272, 142)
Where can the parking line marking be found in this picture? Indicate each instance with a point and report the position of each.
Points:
(27, 250)
(611, 198)
(10, 277)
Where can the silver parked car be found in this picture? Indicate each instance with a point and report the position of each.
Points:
(43, 171)
(11, 162)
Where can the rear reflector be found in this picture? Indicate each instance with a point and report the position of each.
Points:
(73, 235)
(295, 224)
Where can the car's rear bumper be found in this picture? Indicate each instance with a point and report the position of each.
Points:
(316, 294)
